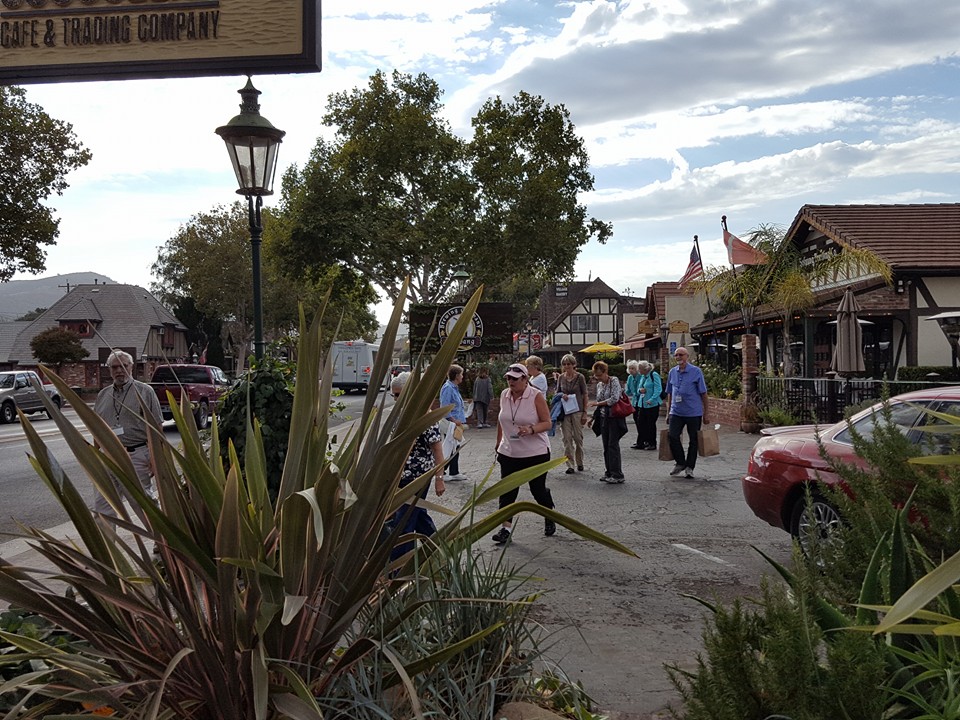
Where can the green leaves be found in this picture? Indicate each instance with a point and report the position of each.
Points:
(397, 194)
(246, 613)
(39, 152)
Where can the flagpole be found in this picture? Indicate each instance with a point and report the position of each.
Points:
(747, 326)
(713, 320)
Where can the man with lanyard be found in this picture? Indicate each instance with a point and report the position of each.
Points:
(686, 408)
(119, 404)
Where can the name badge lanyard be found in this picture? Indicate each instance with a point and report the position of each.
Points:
(118, 404)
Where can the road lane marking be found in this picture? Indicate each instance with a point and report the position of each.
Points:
(701, 553)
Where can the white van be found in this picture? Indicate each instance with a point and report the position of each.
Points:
(353, 362)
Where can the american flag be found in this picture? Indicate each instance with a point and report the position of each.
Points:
(694, 269)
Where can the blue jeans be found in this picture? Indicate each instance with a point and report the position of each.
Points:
(676, 426)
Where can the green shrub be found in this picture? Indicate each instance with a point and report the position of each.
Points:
(462, 598)
(871, 499)
(269, 389)
(770, 657)
(721, 383)
(778, 417)
(799, 645)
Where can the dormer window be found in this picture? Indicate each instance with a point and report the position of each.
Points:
(81, 327)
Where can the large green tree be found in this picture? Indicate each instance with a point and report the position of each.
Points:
(390, 196)
(396, 193)
(530, 166)
(38, 152)
(209, 261)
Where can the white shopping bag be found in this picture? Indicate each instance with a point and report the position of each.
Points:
(450, 443)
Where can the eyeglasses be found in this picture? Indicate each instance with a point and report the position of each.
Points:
(680, 355)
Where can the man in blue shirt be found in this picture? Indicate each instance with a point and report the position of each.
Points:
(686, 408)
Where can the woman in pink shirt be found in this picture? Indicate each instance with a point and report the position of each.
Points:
(522, 442)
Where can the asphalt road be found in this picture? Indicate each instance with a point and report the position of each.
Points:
(28, 501)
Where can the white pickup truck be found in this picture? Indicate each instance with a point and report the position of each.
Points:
(17, 390)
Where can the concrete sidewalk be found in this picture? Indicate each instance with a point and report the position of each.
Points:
(614, 620)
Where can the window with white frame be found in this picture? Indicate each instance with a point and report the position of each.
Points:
(583, 323)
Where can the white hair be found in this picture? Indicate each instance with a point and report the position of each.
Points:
(645, 366)
(399, 382)
(633, 365)
(125, 358)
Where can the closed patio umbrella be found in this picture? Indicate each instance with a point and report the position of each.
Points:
(848, 352)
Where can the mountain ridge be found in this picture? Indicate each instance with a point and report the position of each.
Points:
(18, 297)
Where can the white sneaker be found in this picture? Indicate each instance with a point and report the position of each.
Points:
(688, 472)
(458, 477)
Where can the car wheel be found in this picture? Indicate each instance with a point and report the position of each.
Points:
(202, 416)
(816, 525)
(57, 402)
(8, 413)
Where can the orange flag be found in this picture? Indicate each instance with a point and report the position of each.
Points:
(741, 253)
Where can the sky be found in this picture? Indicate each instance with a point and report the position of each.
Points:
(689, 109)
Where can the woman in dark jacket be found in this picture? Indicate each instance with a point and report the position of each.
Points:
(609, 390)
(482, 395)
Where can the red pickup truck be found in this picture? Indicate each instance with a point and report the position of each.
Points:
(203, 384)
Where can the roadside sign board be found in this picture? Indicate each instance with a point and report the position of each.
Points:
(70, 40)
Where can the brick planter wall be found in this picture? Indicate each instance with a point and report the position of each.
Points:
(725, 412)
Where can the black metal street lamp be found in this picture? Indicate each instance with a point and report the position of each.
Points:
(252, 142)
(460, 277)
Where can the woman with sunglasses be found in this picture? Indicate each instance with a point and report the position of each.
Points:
(425, 455)
(522, 442)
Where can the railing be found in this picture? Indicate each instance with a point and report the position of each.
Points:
(822, 400)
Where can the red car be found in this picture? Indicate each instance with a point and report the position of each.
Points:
(786, 459)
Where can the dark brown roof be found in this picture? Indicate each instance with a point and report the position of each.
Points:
(909, 237)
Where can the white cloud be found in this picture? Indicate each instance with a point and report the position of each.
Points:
(690, 109)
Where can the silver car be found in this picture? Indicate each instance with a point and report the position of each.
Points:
(17, 390)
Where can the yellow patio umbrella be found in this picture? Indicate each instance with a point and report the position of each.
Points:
(601, 347)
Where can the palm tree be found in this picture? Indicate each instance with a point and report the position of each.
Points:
(787, 283)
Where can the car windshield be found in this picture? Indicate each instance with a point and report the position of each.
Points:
(183, 375)
(902, 415)
(6, 381)
(940, 443)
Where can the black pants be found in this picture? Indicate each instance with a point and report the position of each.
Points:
(613, 430)
(638, 422)
(538, 486)
(648, 426)
(677, 424)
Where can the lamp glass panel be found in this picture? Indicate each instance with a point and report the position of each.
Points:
(254, 162)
